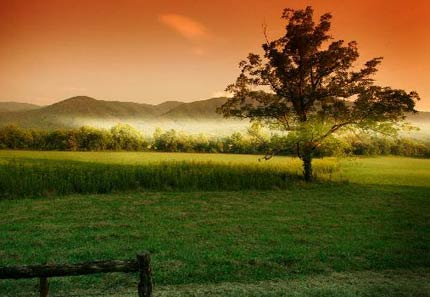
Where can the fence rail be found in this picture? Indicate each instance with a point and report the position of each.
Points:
(142, 264)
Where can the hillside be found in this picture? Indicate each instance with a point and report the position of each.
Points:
(82, 110)
(79, 111)
(88, 107)
(167, 106)
(197, 110)
(16, 106)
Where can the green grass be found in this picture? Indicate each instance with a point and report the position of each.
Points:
(218, 237)
(378, 284)
(377, 170)
(19, 180)
(389, 283)
(128, 158)
(142, 158)
(367, 237)
(31, 174)
(25, 175)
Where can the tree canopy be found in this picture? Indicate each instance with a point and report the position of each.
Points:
(308, 84)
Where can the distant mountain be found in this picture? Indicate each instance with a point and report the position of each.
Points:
(82, 110)
(87, 107)
(167, 106)
(79, 111)
(16, 106)
(197, 110)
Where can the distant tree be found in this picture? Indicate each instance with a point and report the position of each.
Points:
(126, 137)
(59, 140)
(93, 139)
(309, 86)
(14, 137)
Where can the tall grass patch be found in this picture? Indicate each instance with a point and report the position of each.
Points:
(42, 178)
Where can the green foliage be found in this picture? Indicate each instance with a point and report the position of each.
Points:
(254, 141)
(171, 141)
(126, 137)
(308, 84)
(13, 137)
(92, 139)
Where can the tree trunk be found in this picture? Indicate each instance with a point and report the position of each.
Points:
(307, 165)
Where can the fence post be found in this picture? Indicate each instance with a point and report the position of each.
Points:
(43, 287)
(144, 288)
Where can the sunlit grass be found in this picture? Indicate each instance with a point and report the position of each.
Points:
(41, 173)
(386, 171)
(363, 170)
(140, 157)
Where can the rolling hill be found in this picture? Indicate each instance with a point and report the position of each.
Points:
(87, 107)
(167, 106)
(16, 106)
(197, 110)
(82, 110)
(79, 111)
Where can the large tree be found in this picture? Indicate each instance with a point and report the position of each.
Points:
(309, 85)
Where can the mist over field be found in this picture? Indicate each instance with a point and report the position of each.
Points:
(148, 127)
(193, 118)
(198, 117)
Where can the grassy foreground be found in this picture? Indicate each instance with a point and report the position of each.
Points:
(221, 237)
(389, 283)
(367, 237)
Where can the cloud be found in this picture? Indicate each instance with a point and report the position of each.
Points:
(185, 26)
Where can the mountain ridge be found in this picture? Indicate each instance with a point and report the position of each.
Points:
(78, 110)
(11, 106)
(84, 110)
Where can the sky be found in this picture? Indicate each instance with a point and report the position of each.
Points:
(156, 50)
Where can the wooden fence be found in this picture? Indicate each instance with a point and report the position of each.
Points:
(142, 264)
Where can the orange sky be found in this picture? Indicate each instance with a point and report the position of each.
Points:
(152, 51)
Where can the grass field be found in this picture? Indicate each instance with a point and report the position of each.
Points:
(368, 236)
(372, 170)
(24, 175)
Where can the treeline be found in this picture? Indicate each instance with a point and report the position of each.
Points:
(125, 137)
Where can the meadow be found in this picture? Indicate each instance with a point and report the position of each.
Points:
(68, 173)
(363, 229)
